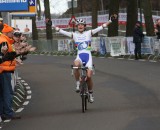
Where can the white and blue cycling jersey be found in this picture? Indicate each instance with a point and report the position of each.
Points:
(83, 44)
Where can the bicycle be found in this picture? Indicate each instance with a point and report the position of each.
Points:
(83, 85)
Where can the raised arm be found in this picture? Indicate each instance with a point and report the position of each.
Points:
(49, 23)
(61, 31)
(112, 18)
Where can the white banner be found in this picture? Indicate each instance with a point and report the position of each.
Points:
(65, 45)
(115, 45)
(102, 45)
(147, 45)
(22, 25)
(123, 45)
(64, 22)
(95, 44)
(130, 45)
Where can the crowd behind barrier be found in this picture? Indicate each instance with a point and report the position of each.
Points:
(14, 49)
(114, 46)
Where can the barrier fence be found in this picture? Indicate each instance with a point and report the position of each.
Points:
(115, 46)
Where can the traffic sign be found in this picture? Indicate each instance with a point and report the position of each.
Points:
(72, 21)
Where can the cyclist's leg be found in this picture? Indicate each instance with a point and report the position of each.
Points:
(89, 80)
(89, 64)
(90, 85)
(77, 63)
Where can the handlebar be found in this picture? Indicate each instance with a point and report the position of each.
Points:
(81, 67)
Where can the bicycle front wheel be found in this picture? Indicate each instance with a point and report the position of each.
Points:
(84, 97)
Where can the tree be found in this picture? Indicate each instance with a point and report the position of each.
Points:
(132, 15)
(113, 9)
(34, 28)
(94, 14)
(48, 15)
(147, 10)
(39, 9)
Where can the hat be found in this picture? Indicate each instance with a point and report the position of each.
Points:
(1, 19)
(7, 29)
(17, 33)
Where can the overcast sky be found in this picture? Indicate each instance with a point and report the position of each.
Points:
(57, 6)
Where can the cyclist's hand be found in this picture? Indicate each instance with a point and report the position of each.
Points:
(113, 17)
(57, 29)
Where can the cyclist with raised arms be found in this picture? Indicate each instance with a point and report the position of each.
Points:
(82, 40)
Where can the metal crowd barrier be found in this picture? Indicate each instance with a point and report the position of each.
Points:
(114, 46)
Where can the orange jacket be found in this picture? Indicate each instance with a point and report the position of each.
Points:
(8, 65)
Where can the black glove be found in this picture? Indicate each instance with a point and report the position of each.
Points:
(113, 17)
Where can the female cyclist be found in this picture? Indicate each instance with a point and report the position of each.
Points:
(82, 40)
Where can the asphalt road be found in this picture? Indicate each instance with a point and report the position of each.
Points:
(127, 96)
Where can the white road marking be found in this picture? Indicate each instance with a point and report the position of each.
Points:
(29, 97)
(19, 110)
(28, 87)
(26, 103)
(25, 84)
(29, 92)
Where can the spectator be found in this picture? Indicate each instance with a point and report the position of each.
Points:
(1, 24)
(157, 29)
(48, 22)
(21, 46)
(137, 39)
(6, 111)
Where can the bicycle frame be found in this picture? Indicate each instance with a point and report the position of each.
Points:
(83, 86)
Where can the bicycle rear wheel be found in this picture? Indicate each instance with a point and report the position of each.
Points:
(83, 102)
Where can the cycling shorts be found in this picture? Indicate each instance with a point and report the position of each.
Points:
(86, 59)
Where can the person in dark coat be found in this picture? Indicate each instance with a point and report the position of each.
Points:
(157, 29)
(137, 39)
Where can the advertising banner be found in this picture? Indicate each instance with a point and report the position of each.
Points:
(147, 45)
(115, 46)
(108, 47)
(124, 47)
(95, 44)
(102, 48)
(14, 5)
(65, 45)
(130, 45)
(22, 25)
